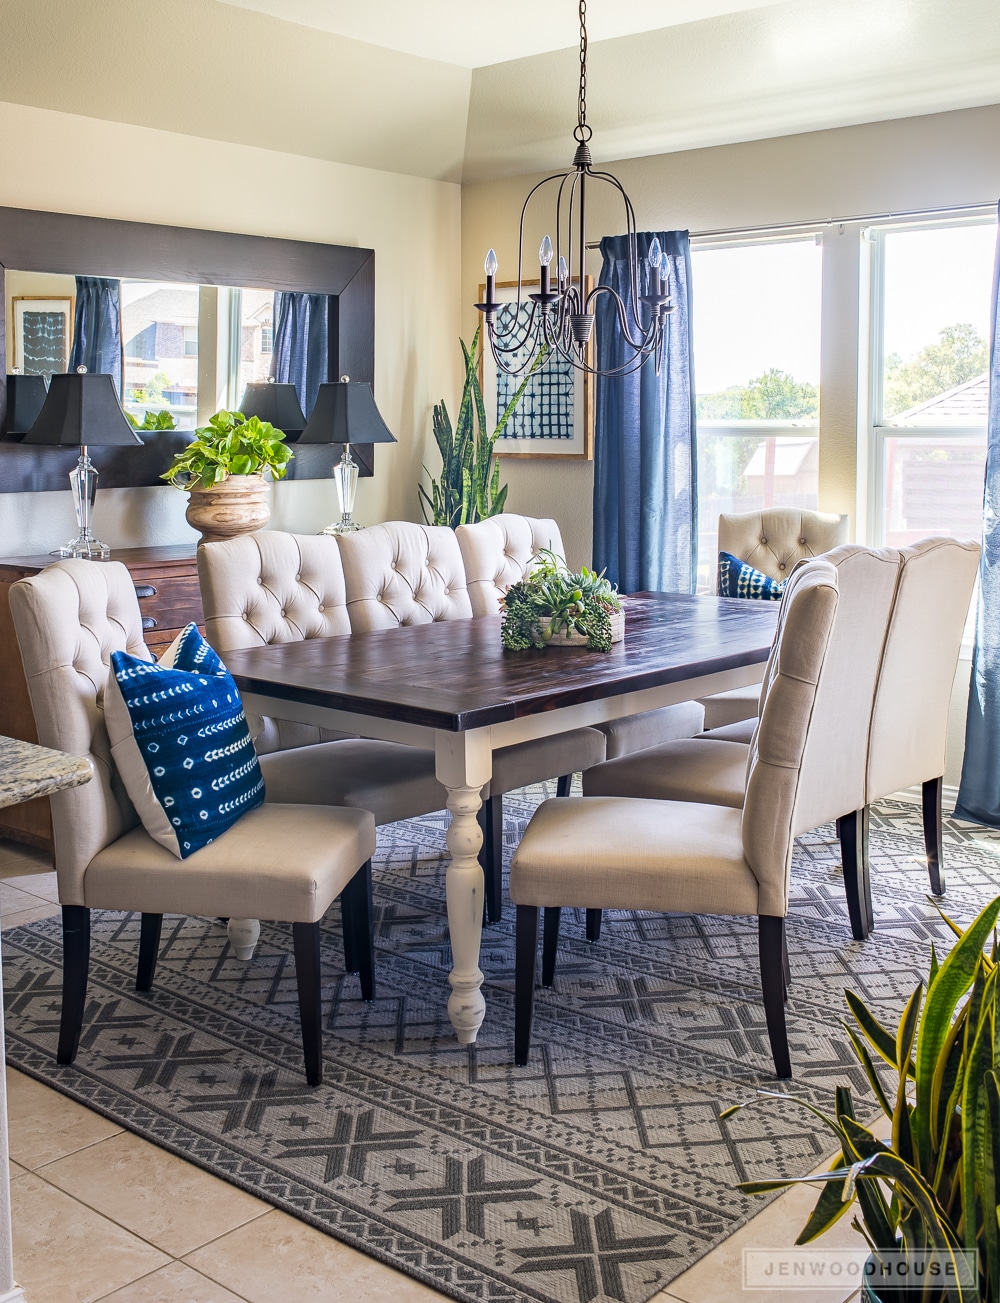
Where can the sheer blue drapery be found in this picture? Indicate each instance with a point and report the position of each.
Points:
(301, 343)
(979, 793)
(97, 328)
(645, 467)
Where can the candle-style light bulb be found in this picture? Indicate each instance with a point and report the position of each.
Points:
(490, 265)
(545, 252)
(664, 267)
(654, 256)
(563, 271)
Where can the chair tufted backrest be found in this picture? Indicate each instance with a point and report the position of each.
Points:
(69, 619)
(913, 698)
(268, 588)
(401, 573)
(779, 784)
(775, 539)
(497, 553)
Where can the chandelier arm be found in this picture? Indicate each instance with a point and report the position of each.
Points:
(517, 335)
(556, 176)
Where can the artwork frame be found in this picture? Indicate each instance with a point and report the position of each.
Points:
(580, 445)
(27, 306)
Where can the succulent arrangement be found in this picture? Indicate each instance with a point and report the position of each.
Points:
(229, 445)
(932, 1188)
(550, 600)
(153, 421)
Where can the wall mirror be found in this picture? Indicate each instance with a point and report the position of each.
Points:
(194, 316)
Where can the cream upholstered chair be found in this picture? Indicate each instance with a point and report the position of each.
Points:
(400, 573)
(273, 587)
(626, 853)
(773, 541)
(910, 718)
(713, 771)
(497, 553)
(278, 862)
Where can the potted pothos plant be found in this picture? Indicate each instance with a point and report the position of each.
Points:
(551, 607)
(927, 1198)
(223, 469)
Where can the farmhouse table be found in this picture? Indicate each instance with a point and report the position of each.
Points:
(451, 687)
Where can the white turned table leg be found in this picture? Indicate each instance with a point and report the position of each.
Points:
(244, 933)
(464, 764)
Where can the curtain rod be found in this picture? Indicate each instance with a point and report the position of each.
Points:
(835, 221)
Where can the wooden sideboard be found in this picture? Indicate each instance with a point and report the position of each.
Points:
(166, 584)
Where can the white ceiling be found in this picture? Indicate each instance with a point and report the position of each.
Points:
(475, 33)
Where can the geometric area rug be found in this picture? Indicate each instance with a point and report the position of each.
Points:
(603, 1169)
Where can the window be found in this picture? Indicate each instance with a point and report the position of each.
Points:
(256, 337)
(160, 345)
(756, 314)
(930, 378)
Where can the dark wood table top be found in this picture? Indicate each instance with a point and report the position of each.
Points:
(455, 674)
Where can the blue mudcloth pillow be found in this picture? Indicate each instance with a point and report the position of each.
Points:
(740, 579)
(180, 741)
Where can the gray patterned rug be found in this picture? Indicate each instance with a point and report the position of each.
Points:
(602, 1170)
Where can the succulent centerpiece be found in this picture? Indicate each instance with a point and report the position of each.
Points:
(552, 607)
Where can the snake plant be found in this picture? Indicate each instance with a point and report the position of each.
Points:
(469, 487)
(550, 600)
(933, 1186)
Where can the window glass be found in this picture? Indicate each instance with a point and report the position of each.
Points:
(756, 315)
(160, 346)
(256, 337)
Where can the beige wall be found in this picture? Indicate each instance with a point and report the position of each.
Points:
(944, 159)
(65, 163)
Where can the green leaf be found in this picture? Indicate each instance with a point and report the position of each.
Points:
(876, 1035)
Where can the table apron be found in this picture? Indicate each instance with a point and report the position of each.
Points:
(543, 724)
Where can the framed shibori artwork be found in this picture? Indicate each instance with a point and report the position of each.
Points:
(555, 417)
(43, 330)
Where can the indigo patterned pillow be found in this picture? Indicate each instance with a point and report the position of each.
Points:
(739, 579)
(180, 741)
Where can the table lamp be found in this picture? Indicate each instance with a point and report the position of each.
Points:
(25, 396)
(80, 410)
(277, 403)
(345, 412)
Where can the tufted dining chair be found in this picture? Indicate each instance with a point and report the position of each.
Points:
(773, 541)
(280, 861)
(497, 553)
(401, 573)
(626, 853)
(713, 769)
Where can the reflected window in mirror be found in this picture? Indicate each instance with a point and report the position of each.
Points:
(160, 346)
(254, 310)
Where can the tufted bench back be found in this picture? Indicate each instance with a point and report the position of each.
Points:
(269, 588)
(776, 539)
(401, 573)
(497, 553)
(69, 619)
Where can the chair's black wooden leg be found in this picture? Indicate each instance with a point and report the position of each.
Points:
(76, 970)
(550, 942)
(525, 959)
(931, 801)
(490, 818)
(771, 941)
(594, 917)
(305, 937)
(149, 945)
(358, 912)
(786, 968)
(563, 784)
(854, 850)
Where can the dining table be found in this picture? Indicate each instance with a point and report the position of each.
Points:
(452, 687)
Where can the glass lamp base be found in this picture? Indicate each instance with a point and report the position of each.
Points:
(86, 547)
(345, 525)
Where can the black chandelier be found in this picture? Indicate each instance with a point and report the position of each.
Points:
(558, 320)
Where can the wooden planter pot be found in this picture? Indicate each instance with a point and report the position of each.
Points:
(236, 505)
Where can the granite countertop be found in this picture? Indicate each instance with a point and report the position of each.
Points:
(27, 771)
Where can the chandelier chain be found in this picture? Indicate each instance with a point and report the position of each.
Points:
(583, 131)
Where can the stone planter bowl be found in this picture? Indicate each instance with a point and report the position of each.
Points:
(236, 505)
(570, 637)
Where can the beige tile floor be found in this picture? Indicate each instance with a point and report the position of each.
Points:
(100, 1214)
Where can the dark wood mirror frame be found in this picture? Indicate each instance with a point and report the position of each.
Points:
(99, 246)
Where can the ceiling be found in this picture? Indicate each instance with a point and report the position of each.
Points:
(476, 33)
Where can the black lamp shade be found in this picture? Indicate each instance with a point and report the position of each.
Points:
(276, 403)
(82, 409)
(345, 412)
(25, 396)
